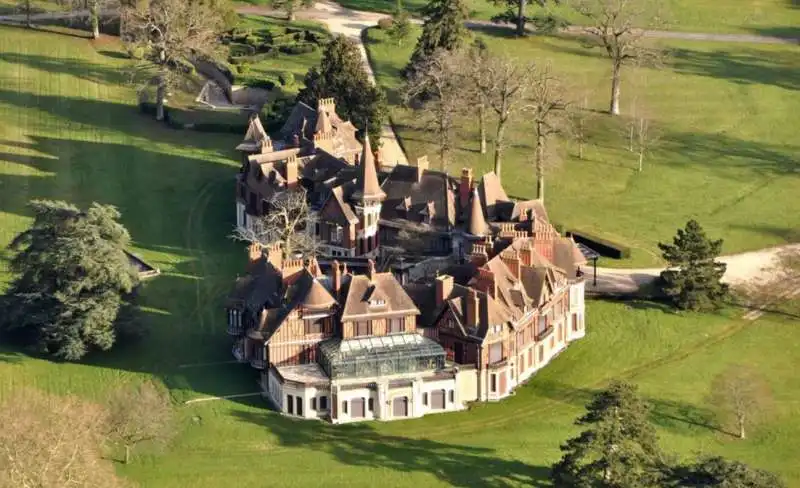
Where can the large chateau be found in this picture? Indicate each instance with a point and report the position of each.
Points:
(335, 343)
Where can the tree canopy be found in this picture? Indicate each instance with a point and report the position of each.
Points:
(341, 76)
(693, 278)
(443, 29)
(73, 273)
(719, 472)
(619, 448)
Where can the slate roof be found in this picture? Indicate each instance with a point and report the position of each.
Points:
(382, 286)
(408, 196)
(303, 120)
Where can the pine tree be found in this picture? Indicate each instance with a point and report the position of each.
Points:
(341, 75)
(443, 29)
(619, 448)
(73, 273)
(723, 473)
(693, 278)
(401, 24)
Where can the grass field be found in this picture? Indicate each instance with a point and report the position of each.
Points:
(68, 130)
(766, 17)
(726, 155)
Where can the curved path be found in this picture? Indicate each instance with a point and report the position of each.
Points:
(743, 268)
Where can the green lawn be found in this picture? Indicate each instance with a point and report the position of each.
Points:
(766, 17)
(727, 151)
(68, 130)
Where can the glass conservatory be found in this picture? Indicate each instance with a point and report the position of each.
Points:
(380, 356)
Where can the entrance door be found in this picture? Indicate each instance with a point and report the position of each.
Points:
(357, 406)
(503, 383)
(400, 407)
(437, 400)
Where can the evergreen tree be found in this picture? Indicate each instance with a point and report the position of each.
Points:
(73, 272)
(619, 448)
(341, 75)
(401, 24)
(693, 278)
(443, 29)
(722, 473)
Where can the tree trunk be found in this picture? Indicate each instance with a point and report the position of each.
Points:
(161, 92)
(94, 17)
(28, 14)
(499, 145)
(615, 79)
(540, 166)
(741, 427)
(521, 18)
(127, 454)
(641, 158)
(482, 126)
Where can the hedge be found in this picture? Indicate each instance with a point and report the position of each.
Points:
(149, 108)
(603, 246)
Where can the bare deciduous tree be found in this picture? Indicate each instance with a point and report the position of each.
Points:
(642, 133)
(547, 107)
(742, 394)
(618, 26)
(580, 119)
(288, 221)
(507, 84)
(438, 85)
(138, 415)
(172, 34)
(477, 88)
(48, 440)
(92, 9)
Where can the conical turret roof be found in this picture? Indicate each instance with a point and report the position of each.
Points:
(367, 187)
(477, 222)
(318, 297)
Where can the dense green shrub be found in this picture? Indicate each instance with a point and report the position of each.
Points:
(286, 78)
(265, 84)
(385, 23)
(243, 68)
(298, 48)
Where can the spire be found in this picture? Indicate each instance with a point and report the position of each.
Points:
(323, 121)
(477, 223)
(367, 183)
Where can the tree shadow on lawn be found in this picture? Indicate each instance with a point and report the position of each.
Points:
(675, 416)
(786, 32)
(361, 445)
(78, 67)
(721, 151)
(742, 65)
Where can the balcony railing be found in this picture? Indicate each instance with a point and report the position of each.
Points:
(235, 329)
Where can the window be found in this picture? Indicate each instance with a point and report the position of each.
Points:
(371, 405)
(396, 326)
(264, 207)
(541, 324)
(452, 396)
(316, 228)
(552, 342)
(290, 404)
(512, 373)
(337, 234)
(313, 326)
(495, 353)
(344, 406)
(424, 398)
(493, 383)
(314, 403)
(323, 403)
(541, 353)
(574, 322)
(362, 328)
(530, 357)
(299, 406)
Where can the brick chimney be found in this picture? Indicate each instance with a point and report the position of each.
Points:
(371, 269)
(422, 166)
(444, 286)
(254, 253)
(473, 307)
(275, 255)
(291, 172)
(336, 277)
(465, 186)
(512, 260)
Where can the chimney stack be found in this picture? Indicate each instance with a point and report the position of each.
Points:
(336, 276)
(254, 253)
(291, 172)
(472, 305)
(465, 186)
(422, 166)
(371, 269)
(444, 286)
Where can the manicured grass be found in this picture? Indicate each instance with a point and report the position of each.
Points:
(68, 130)
(727, 150)
(769, 17)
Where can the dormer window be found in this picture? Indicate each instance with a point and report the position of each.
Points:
(377, 302)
